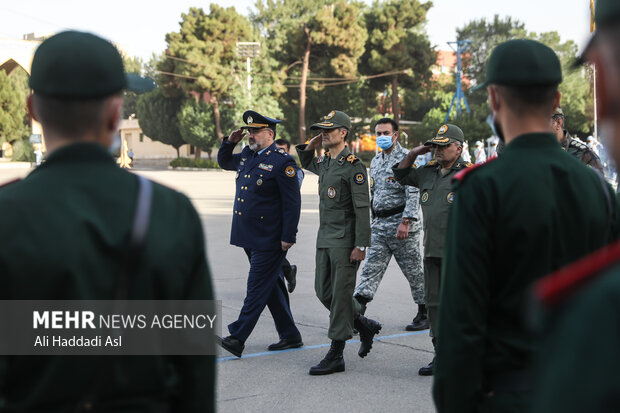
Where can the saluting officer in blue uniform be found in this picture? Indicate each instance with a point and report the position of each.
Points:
(266, 213)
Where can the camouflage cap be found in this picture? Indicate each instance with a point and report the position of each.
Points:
(446, 135)
(334, 119)
(522, 62)
(78, 65)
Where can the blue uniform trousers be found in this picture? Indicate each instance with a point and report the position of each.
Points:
(265, 288)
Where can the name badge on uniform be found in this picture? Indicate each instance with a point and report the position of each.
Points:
(265, 167)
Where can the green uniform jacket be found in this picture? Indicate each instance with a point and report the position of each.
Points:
(515, 219)
(65, 230)
(583, 311)
(436, 198)
(344, 205)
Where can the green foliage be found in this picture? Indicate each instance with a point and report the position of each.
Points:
(23, 151)
(397, 41)
(157, 115)
(194, 163)
(14, 121)
(366, 157)
(196, 125)
(335, 35)
(130, 99)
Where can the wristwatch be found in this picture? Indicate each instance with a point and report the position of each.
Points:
(406, 221)
(361, 248)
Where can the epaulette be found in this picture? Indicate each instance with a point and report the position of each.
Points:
(432, 162)
(352, 158)
(463, 165)
(561, 284)
(577, 143)
(282, 152)
(12, 181)
(460, 175)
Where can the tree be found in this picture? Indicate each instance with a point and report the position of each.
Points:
(196, 125)
(14, 121)
(130, 99)
(397, 41)
(157, 116)
(202, 52)
(331, 32)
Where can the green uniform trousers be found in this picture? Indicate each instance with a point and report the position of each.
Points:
(432, 284)
(334, 284)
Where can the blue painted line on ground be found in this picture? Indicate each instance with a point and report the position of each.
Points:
(271, 353)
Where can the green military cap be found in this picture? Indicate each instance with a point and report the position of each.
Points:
(81, 65)
(334, 119)
(606, 15)
(446, 135)
(522, 62)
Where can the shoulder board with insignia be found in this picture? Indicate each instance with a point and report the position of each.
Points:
(561, 284)
(352, 158)
(12, 181)
(431, 163)
(282, 152)
(460, 175)
(576, 143)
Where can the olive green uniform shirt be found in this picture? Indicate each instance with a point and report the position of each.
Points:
(65, 230)
(344, 206)
(436, 198)
(515, 219)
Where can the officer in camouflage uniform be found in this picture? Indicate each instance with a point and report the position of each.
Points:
(574, 146)
(395, 225)
(436, 197)
(344, 234)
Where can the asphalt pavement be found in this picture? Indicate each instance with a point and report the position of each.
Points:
(262, 381)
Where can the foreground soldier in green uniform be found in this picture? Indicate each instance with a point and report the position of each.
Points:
(582, 301)
(436, 196)
(343, 236)
(66, 231)
(512, 212)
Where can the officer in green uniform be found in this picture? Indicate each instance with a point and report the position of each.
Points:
(436, 196)
(574, 146)
(343, 236)
(507, 229)
(66, 231)
(579, 367)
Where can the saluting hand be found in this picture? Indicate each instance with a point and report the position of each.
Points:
(286, 245)
(235, 136)
(315, 142)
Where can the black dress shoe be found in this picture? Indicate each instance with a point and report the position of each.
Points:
(286, 343)
(367, 329)
(231, 344)
(420, 322)
(291, 278)
(427, 370)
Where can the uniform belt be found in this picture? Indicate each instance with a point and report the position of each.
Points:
(389, 212)
(510, 381)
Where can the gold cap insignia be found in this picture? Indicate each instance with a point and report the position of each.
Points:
(250, 120)
(443, 129)
(330, 115)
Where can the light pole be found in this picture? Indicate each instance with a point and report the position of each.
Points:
(248, 50)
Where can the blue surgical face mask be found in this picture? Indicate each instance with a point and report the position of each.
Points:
(384, 141)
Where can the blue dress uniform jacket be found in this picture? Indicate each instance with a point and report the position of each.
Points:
(258, 222)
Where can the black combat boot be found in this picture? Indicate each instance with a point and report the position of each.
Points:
(428, 369)
(420, 322)
(333, 361)
(368, 329)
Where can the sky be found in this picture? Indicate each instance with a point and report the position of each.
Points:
(139, 27)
